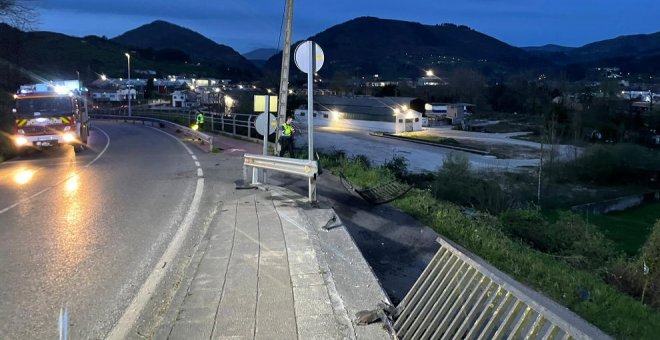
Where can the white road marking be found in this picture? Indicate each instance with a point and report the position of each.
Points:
(121, 330)
(62, 181)
(197, 164)
(194, 157)
(200, 173)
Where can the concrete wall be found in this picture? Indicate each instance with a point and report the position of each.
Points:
(617, 204)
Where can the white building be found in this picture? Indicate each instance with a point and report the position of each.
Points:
(384, 114)
(184, 99)
(452, 113)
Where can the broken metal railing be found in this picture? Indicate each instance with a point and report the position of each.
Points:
(380, 194)
(459, 296)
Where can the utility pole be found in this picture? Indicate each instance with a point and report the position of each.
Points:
(284, 76)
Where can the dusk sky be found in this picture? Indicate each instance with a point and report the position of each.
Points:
(249, 24)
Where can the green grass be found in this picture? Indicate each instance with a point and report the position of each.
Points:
(612, 311)
(630, 228)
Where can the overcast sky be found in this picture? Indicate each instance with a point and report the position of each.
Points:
(249, 24)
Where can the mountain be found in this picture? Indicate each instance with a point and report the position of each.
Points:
(393, 48)
(635, 54)
(628, 46)
(38, 56)
(550, 48)
(261, 54)
(160, 35)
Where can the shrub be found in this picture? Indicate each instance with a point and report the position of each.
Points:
(362, 160)
(456, 182)
(398, 166)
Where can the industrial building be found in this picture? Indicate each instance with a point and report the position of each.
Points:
(385, 114)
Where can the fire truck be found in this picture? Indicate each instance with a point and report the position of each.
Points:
(51, 114)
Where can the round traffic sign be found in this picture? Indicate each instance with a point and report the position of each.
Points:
(264, 121)
(302, 57)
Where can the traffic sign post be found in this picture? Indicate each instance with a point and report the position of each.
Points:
(309, 58)
(265, 124)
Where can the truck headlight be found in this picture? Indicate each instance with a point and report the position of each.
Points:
(20, 131)
(20, 141)
(68, 137)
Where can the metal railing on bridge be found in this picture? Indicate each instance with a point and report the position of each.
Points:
(459, 296)
(236, 124)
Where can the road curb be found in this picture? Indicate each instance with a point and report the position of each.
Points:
(440, 145)
(352, 284)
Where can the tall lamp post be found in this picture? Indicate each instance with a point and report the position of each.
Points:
(128, 84)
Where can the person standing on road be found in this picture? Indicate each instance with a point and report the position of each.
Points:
(200, 120)
(286, 140)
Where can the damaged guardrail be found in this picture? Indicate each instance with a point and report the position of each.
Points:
(459, 296)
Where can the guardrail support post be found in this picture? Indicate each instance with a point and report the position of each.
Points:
(312, 189)
(255, 175)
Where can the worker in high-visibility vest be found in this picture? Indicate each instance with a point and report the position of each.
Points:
(200, 120)
(286, 139)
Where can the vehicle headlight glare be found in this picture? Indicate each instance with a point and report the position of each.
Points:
(20, 141)
(68, 138)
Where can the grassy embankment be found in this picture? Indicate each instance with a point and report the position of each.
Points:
(616, 313)
(630, 228)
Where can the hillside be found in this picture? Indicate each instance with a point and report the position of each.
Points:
(550, 48)
(393, 48)
(261, 54)
(47, 56)
(635, 54)
(160, 35)
(634, 46)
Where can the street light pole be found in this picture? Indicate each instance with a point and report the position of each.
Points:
(128, 84)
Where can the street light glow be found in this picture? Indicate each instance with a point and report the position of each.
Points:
(104, 77)
(429, 73)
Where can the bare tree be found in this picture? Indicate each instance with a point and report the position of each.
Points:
(18, 13)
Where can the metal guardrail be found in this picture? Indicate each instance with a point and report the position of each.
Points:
(460, 297)
(298, 167)
(188, 131)
(236, 124)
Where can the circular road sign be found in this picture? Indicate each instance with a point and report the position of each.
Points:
(262, 120)
(302, 56)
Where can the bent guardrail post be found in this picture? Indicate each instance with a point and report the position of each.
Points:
(298, 167)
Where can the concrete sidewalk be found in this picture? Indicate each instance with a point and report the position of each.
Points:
(267, 270)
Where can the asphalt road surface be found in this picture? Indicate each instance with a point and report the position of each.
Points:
(85, 231)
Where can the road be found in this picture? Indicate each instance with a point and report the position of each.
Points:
(85, 231)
